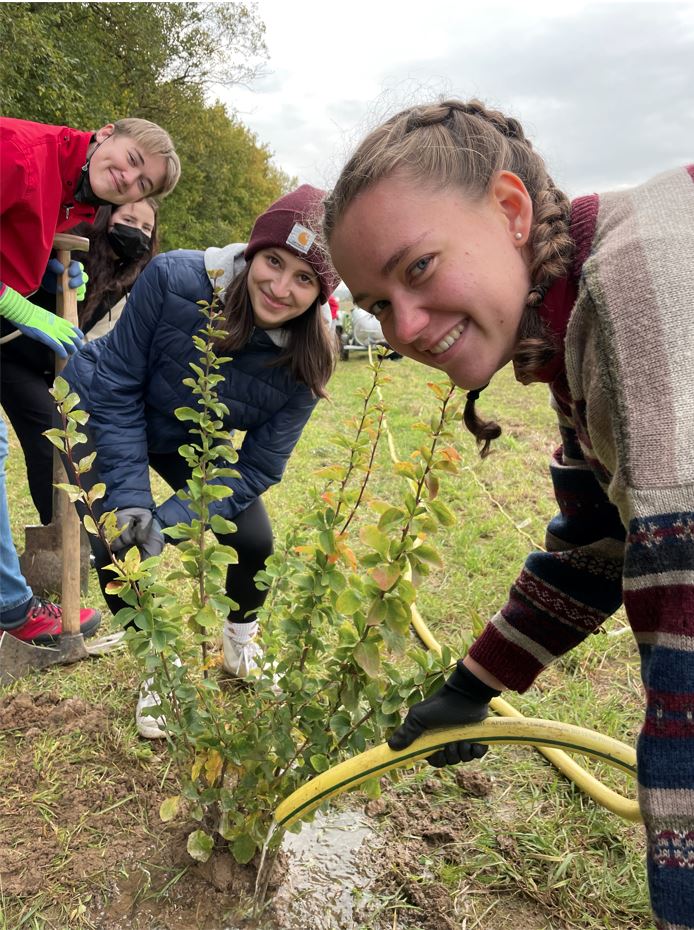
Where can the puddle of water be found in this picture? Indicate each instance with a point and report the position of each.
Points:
(323, 875)
(323, 872)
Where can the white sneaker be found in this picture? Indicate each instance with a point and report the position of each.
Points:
(241, 659)
(148, 726)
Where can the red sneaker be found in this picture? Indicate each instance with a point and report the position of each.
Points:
(44, 623)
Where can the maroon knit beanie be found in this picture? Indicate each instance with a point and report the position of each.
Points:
(291, 223)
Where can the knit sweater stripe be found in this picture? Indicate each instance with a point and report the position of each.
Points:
(674, 849)
(559, 603)
(667, 641)
(517, 660)
(669, 265)
(671, 873)
(662, 579)
(564, 594)
(642, 290)
(665, 609)
(666, 803)
(676, 728)
(671, 857)
(627, 395)
(655, 336)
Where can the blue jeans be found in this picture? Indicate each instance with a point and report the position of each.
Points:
(14, 590)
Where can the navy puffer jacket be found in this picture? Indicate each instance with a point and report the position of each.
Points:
(130, 382)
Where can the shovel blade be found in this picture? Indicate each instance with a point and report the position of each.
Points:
(42, 560)
(17, 658)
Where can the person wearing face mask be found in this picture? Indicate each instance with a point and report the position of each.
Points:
(122, 240)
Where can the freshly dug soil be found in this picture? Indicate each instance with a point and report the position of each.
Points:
(84, 837)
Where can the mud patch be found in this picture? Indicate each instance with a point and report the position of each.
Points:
(315, 881)
(171, 893)
(64, 815)
(473, 782)
(32, 715)
(79, 821)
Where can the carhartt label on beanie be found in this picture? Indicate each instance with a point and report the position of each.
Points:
(291, 223)
(301, 238)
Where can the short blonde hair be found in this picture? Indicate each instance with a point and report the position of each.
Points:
(155, 141)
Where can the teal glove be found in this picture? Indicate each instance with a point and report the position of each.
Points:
(77, 275)
(39, 324)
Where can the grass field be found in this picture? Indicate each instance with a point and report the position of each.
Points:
(527, 852)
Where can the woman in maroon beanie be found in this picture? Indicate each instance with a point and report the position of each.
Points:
(131, 382)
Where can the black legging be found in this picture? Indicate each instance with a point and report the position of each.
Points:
(252, 539)
(27, 372)
(30, 408)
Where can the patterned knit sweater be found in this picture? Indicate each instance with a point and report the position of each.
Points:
(623, 388)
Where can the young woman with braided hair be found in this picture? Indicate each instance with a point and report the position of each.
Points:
(446, 226)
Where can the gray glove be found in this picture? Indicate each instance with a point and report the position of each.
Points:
(462, 699)
(139, 529)
(155, 542)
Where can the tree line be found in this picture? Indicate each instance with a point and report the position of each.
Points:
(87, 64)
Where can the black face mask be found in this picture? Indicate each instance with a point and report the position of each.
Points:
(83, 191)
(128, 242)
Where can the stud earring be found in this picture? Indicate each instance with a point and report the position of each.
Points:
(518, 235)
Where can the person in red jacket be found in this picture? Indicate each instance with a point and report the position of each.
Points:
(52, 177)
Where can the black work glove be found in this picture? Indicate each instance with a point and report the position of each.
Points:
(137, 528)
(462, 699)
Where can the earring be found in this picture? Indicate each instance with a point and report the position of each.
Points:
(518, 235)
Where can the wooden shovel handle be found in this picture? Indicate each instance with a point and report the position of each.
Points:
(67, 300)
(65, 514)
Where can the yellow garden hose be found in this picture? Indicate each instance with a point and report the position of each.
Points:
(382, 759)
(549, 737)
(601, 794)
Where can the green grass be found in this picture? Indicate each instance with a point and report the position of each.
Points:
(534, 845)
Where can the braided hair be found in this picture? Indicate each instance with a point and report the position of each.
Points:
(464, 145)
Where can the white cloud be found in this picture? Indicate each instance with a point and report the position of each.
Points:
(603, 89)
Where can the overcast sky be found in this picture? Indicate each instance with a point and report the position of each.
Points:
(604, 90)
